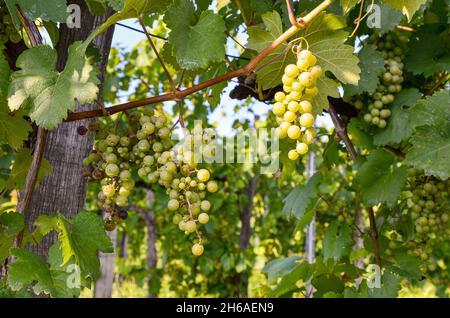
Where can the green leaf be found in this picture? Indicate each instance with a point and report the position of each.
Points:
(196, 42)
(408, 7)
(433, 56)
(52, 94)
(379, 179)
(289, 281)
(408, 264)
(30, 269)
(302, 196)
(430, 143)
(371, 63)
(55, 10)
(21, 166)
(326, 41)
(98, 7)
(44, 225)
(82, 239)
(337, 242)
(390, 286)
(430, 151)
(11, 224)
(326, 284)
(359, 133)
(432, 111)
(389, 18)
(347, 5)
(331, 152)
(280, 267)
(13, 130)
(399, 127)
(327, 87)
(259, 39)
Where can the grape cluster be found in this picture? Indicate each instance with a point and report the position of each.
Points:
(390, 82)
(7, 30)
(427, 202)
(429, 207)
(293, 107)
(115, 154)
(146, 146)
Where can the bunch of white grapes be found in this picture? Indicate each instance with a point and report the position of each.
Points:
(378, 104)
(293, 107)
(145, 146)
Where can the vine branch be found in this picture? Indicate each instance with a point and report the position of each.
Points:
(32, 175)
(175, 96)
(341, 132)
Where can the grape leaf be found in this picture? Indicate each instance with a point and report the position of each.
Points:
(389, 18)
(432, 111)
(52, 94)
(280, 267)
(327, 87)
(359, 132)
(326, 41)
(399, 127)
(408, 7)
(98, 7)
(347, 5)
(408, 264)
(379, 179)
(337, 242)
(196, 42)
(80, 238)
(55, 10)
(30, 269)
(430, 151)
(13, 130)
(21, 166)
(11, 224)
(270, 75)
(289, 281)
(298, 200)
(433, 56)
(371, 63)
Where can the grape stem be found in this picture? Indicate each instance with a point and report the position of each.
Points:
(298, 23)
(32, 175)
(341, 132)
(180, 94)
